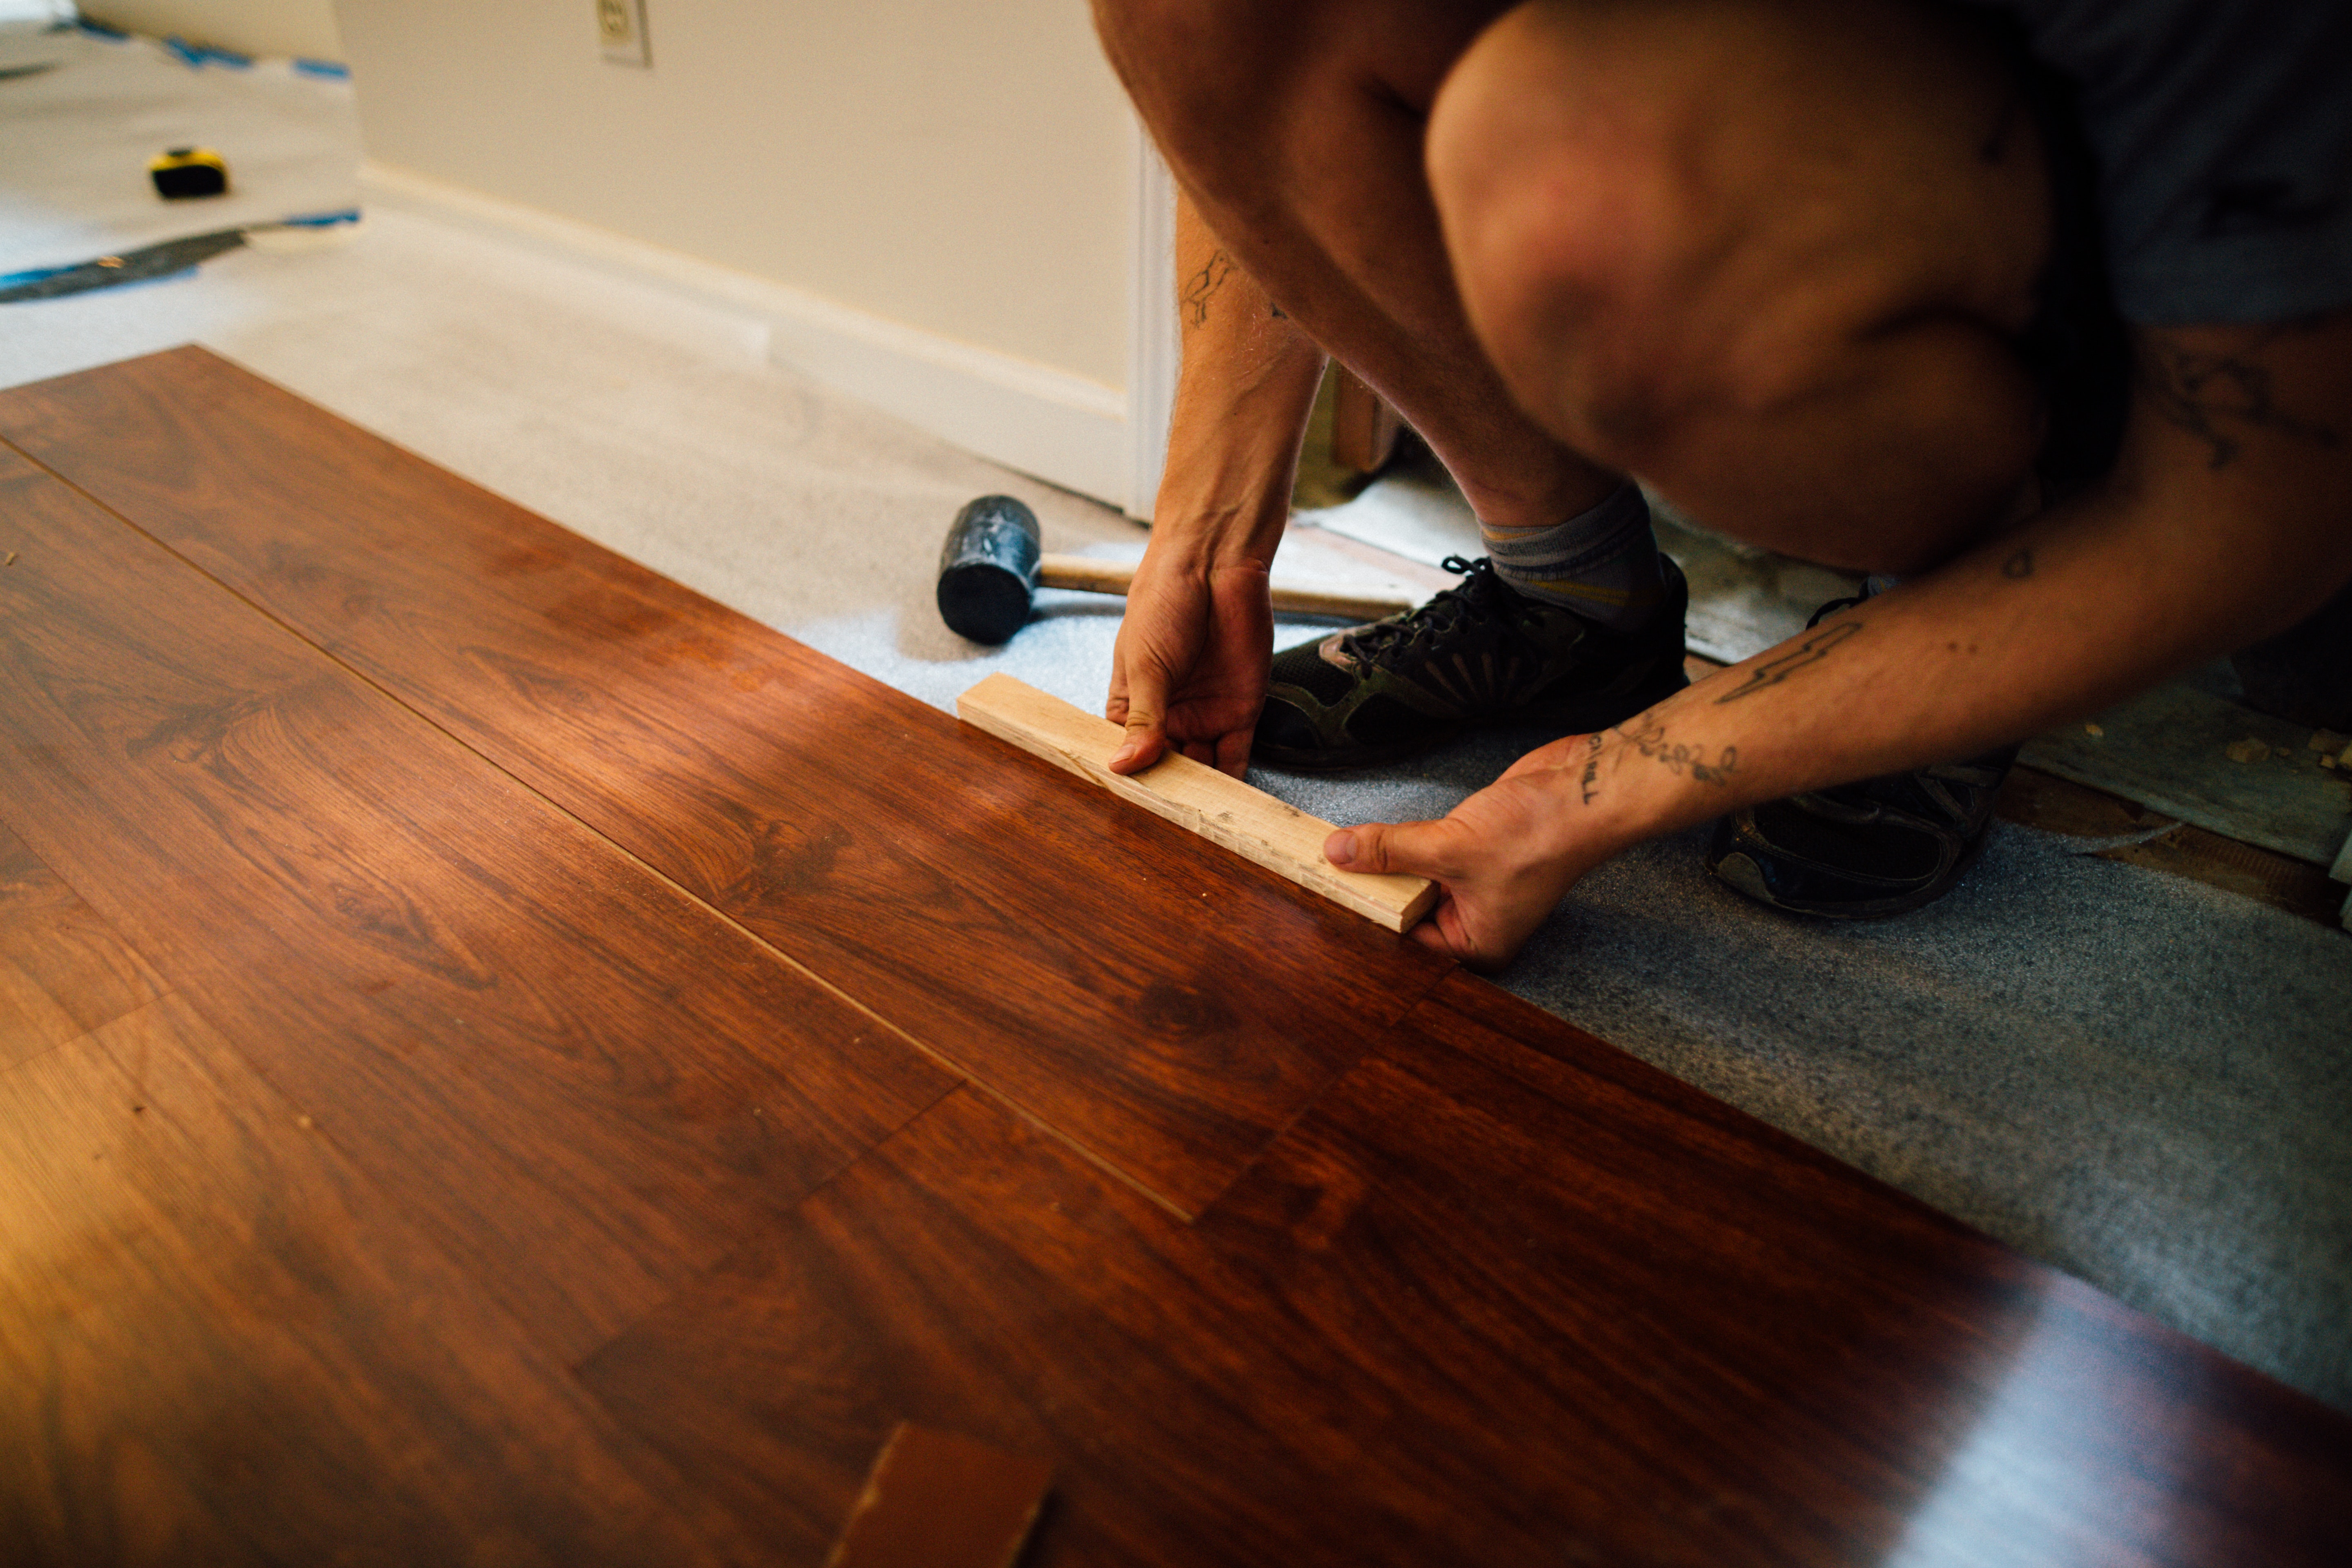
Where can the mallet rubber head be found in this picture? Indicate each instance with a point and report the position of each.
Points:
(988, 569)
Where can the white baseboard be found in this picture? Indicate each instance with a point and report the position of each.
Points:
(1153, 353)
(1062, 429)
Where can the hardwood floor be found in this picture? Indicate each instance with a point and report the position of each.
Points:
(504, 1060)
(908, 860)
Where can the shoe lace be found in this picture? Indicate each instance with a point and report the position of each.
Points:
(1833, 608)
(1401, 634)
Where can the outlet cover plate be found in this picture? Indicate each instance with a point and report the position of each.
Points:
(620, 29)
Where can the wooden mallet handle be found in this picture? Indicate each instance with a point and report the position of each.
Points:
(1089, 575)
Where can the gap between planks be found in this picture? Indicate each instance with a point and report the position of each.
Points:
(1195, 796)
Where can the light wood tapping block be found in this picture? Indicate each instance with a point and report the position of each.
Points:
(1250, 822)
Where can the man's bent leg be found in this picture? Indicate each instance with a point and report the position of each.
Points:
(1772, 256)
(1296, 130)
(1298, 134)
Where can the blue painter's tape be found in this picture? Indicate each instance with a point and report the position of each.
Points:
(328, 69)
(195, 57)
(36, 275)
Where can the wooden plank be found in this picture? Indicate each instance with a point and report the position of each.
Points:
(1170, 1020)
(2151, 839)
(582, 1082)
(63, 970)
(1195, 796)
(219, 1344)
(938, 1500)
(2209, 762)
(1484, 1303)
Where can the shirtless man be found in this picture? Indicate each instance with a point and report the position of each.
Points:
(1828, 274)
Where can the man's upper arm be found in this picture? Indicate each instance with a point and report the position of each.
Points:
(2247, 430)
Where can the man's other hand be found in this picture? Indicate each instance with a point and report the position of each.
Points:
(1189, 671)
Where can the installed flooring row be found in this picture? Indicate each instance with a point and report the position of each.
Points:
(504, 1060)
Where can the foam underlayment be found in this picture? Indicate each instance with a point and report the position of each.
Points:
(2136, 1077)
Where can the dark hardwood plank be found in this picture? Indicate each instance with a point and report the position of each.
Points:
(218, 1346)
(1166, 1007)
(63, 970)
(1485, 1303)
(584, 1082)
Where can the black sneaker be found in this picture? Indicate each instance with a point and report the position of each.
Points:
(1862, 851)
(1479, 653)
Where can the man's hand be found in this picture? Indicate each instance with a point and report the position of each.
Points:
(1191, 663)
(1505, 857)
(1189, 669)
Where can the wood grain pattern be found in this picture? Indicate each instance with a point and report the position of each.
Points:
(867, 836)
(585, 1082)
(1196, 797)
(441, 1091)
(219, 1345)
(63, 970)
(1483, 1304)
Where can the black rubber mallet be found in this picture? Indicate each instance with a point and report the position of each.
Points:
(993, 563)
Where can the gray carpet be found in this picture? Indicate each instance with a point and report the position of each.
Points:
(2138, 1079)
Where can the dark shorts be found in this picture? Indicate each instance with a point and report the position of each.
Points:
(2200, 167)
(2219, 139)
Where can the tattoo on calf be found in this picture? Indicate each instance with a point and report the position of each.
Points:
(1205, 284)
(2196, 391)
(1812, 651)
(1648, 737)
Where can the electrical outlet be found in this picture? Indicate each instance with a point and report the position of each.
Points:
(621, 26)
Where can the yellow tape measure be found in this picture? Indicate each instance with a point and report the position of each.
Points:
(185, 171)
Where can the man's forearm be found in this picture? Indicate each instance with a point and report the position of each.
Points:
(2228, 516)
(1247, 385)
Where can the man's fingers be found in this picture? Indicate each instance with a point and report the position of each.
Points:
(1233, 753)
(1147, 737)
(1380, 847)
(1138, 699)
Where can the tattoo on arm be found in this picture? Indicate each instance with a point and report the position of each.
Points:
(2017, 566)
(1591, 783)
(1649, 737)
(2200, 392)
(1202, 284)
(1812, 651)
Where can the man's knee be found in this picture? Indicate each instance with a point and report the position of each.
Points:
(1564, 219)
(1654, 212)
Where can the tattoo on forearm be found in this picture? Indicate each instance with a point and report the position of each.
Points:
(2206, 394)
(1591, 783)
(1812, 651)
(2017, 566)
(1205, 284)
(1648, 737)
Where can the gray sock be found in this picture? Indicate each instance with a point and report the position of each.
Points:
(1601, 563)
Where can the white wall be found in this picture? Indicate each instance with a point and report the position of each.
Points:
(303, 29)
(964, 169)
